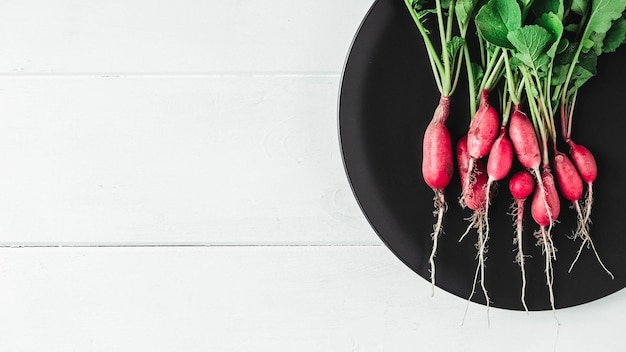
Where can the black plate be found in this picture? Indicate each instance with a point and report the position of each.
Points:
(386, 101)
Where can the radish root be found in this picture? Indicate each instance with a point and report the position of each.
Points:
(583, 232)
(549, 251)
(477, 221)
(468, 186)
(440, 209)
(588, 204)
(518, 213)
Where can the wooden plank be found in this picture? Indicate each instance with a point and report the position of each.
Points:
(185, 36)
(195, 160)
(263, 299)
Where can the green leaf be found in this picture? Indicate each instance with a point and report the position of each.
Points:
(464, 9)
(566, 55)
(478, 73)
(418, 4)
(559, 74)
(541, 7)
(531, 43)
(579, 77)
(552, 23)
(596, 40)
(615, 36)
(563, 44)
(525, 4)
(580, 7)
(453, 47)
(588, 62)
(584, 69)
(603, 13)
(496, 19)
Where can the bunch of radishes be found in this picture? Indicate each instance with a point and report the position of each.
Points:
(536, 55)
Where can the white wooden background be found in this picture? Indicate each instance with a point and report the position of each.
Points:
(172, 181)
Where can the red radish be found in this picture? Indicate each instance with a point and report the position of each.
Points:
(585, 162)
(586, 165)
(546, 212)
(437, 170)
(521, 186)
(437, 160)
(545, 209)
(500, 157)
(526, 147)
(524, 140)
(462, 158)
(498, 166)
(483, 130)
(474, 197)
(567, 177)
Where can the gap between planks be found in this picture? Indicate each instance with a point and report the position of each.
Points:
(174, 245)
(221, 74)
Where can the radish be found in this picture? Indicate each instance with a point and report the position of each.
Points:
(521, 186)
(482, 132)
(524, 141)
(437, 158)
(568, 179)
(545, 209)
(526, 148)
(498, 166)
(475, 198)
(586, 165)
(437, 170)
(500, 158)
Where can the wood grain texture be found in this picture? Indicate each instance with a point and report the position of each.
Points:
(177, 36)
(195, 160)
(261, 299)
(211, 125)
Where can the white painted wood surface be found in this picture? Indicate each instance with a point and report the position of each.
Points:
(188, 151)
(174, 160)
(263, 299)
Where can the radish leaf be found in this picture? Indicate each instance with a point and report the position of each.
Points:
(615, 36)
(603, 13)
(464, 10)
(552, 23)
(453, 46)
(496, 19)
(540, 7)
(580, 6)
(530, 43)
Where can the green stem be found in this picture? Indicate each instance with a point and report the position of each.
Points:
(575, 59)
(510, 79)
(457, 73)
(570, 116)
(492, 61)
(495, 74)
(446, 78)
(450, 20)
(482, 48)
(435, 62)
(471, 80)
